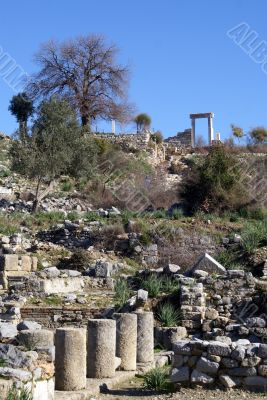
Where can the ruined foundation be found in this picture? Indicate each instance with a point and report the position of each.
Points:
(145, 337)
(126, 340)
(101, 348)
(70, 362)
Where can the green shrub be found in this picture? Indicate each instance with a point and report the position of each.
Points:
(228, 260)
(213, 184)
(257, 213)
(253, 236)
(67, 186)
(153, 284)
(177, 213)
(122, 291)
(170, 285)
(73, 216)
(168, 315)
(157, 379)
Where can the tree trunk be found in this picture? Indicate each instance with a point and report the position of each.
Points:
(86, 123)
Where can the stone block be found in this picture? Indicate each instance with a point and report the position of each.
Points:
(11, 262)
(201, 377)
(207, 366)
(180, 375)
(26, 263)
(219, 349)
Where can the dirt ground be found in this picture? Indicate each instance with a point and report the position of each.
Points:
(133, 390)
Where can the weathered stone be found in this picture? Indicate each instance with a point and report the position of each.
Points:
(229, 362)
(36, 339)
(51, 272)
(32, 325)
(17, 374)
(262, 352)
(10, 262)
(101, 348)
(16, 358)
(126, 340)
(198, 273)
(26, 263)
(180, 375)
(243, 371)
(142, 296)
(211, 313)
(262, 369)
(172, 269)
(208, 264)
(238, 353)
(207, 366)
(201, 377)
(70, 361)
(256, 381)
(251, 361)
(255, 322)
(227, 381)
(177, 360)
(219, 349)
(7, 330)
(145, 337)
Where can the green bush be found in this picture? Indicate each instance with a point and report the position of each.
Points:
(67, 186)
(170, 285)
(157, 379)
(122, 291)
(213, 184)
(177, 213)
(253, 236)
(228, 260)
(153, 284)
(168, 315)
(73, 216)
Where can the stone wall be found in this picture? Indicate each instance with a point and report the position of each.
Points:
(137, 141)
(237, 364)
(180, 139)
(60, 316)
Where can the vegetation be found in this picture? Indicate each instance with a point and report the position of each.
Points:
(22, 108)
(258, 135)
(168, 315)
(122, 292)
(254, 235)
(237, 131)
(19, 394)
(85, 71)
(142, 121)
(157, 379)
(153, 285)
(214, 183)
(54, 147)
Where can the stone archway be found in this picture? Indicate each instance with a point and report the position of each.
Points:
(209, 116)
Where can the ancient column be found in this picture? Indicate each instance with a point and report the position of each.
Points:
(193, 132)
(126, 340)
(145, 337)
(101, 348)
(210, 124)
(70, 362)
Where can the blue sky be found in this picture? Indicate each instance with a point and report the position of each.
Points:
(181, 59)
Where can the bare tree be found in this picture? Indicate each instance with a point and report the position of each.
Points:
(84, 70)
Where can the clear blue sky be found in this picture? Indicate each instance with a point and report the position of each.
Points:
(182, 60)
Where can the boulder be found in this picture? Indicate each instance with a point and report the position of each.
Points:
(180, 374)
(171, 269)
(7, 330)
(52, 272)
(207, 366)
(28, 325)
(201, 377)
(208, 264)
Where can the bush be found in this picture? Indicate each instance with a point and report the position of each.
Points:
(157, 379)
(253, 236)
(170, 285)
(67, 186)
(213, 183)
(122, 292)
(168, 315)
(177, 213)
(153, 284)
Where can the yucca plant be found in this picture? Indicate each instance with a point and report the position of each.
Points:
(122, 291)
(19, 394)
(153, 285)
(168, 315)
(157, 379)
(170, 285)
